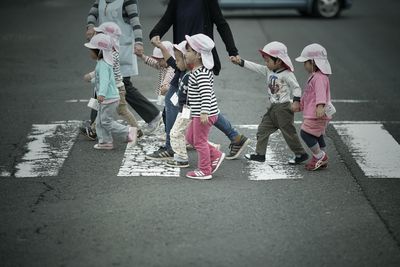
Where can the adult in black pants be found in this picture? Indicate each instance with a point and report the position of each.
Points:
(125, 14)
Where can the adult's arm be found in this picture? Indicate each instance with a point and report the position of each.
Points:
(222, 27)
(132, 11)
(166, 21)
(93, 15)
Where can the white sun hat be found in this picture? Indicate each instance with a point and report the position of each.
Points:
(104, 44)
(317, 53)
(202, 44)
(181, 47)
(278, 50)
(157, 53)
(111, 29)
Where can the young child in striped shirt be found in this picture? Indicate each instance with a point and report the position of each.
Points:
(203, 105)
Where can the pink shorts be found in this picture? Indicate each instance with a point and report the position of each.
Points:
(315, 127)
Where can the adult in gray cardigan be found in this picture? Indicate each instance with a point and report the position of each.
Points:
(199, 16)
(125, 14)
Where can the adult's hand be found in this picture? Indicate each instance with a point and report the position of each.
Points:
(90, 32)
(155, 40)
(138, 49)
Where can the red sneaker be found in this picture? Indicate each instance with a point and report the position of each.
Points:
(217, 162)
(197, 174)
(315, 164)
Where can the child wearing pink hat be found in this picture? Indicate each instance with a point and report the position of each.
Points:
(281, 84)
(203, 105)
(107, 94)
(316, 104)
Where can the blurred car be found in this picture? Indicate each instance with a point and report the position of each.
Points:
(319, 8)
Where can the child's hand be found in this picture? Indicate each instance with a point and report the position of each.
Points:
(155, 39)
(235, 60)
(320, 112)
(296, 106)
(163, 89)
(204, 118)
(100, 98)
(158, 44)
(87, 77)
(138, 50)
(90, 32)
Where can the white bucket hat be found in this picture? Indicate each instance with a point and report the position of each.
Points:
(104, 44)
(111, 29)
(181, 47)
(202, 44)
(157, 53)
(278, 50)
(317, 53)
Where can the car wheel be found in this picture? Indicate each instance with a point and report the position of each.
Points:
(326, 8)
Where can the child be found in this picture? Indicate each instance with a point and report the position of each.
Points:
(203, 105)
(281, 83)
(166, 73)
(113, 30)
(101, 48)
(314, 101)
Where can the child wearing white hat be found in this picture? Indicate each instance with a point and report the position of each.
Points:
(281, 84)
(107, 94)
(203, 105)
(315, 102)
(113, 30)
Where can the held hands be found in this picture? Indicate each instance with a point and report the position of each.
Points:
(138, 50)
(296, 106)
(320, 112)
(235, 59)
(100, 98)
(155, 40)
(204, 118)
(90, 32)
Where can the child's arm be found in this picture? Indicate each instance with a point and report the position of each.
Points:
(169, 75)
(321, 85)
(103, 83)
(296, 91)
(148, 60)
(258, 68)
(88, 77)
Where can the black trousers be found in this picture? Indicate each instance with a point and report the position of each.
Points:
(147, 110)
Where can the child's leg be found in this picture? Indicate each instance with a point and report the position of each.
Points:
(102, 120)
(312, 142)
(178, 141)
(123, 110)
(110, 124)
(224, 125)
(171, 112)
(321, 142)
(265, 129)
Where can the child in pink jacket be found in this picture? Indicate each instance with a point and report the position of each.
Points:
(314, 103)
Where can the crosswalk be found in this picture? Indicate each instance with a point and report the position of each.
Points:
(373, 148)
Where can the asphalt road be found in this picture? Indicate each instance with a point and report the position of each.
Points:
(87, 215)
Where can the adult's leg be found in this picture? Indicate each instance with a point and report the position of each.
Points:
(147, 110)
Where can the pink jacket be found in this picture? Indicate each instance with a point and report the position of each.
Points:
(317, 91)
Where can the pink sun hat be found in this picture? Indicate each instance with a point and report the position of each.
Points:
(104, 44)
(157, 53)
(181, 47)
(317, 53)
(111, 29)
(278, 50)
(202, 44)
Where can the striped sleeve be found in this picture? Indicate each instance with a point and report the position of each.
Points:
(151, 62)
(132, 11)
(117, 69)
(93, 14)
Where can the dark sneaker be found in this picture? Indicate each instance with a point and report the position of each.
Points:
(298, 159)
(217, 162)
(315, 164)
(179, 164)
(161, 154)
(139, 134)
(197, 174)
(237, 148)
(255, 157)
(89, 133)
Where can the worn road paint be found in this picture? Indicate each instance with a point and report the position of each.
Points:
(374, 149)
(47, 149)
(275, 166)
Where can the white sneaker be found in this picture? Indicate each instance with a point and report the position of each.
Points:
(132, 135)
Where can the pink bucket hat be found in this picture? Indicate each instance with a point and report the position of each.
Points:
(278, 50)
(202, 44)
(317, 53)
(157, 53)
(104, 44)
(111, 29)
(181, 47)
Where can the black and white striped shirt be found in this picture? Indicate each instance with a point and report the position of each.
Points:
(201, 94)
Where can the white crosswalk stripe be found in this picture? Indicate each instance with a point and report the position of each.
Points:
(372, 147)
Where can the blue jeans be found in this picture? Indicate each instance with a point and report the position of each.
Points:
(225, 126)
(171, 112)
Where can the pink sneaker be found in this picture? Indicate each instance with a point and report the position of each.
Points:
(216, 163)
(197, 174)
(106, 146)
(132, 135)
(315, 164)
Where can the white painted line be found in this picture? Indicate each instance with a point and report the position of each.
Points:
(353, 101)
(275, 166)
(135, 163)
(48, 148)
(374, 149)
(77, 100)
